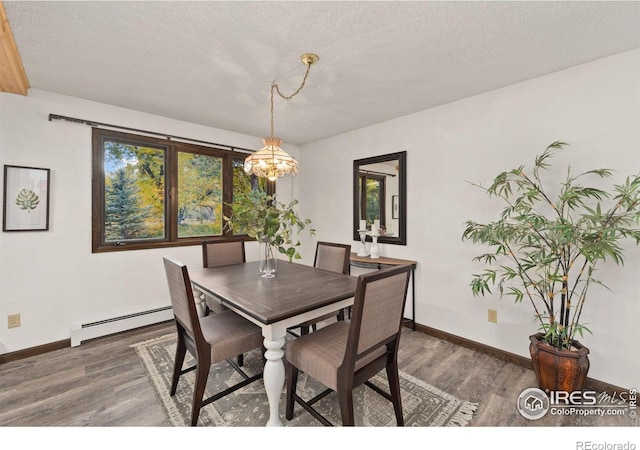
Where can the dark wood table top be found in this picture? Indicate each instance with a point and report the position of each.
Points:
(296, 289)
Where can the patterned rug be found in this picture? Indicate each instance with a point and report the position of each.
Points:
(423, 405)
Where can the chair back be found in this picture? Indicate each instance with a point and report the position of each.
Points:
(332, 257)
(377, 310)
(222, 253)
(182, 301)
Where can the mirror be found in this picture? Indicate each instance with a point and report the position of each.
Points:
(380, 196)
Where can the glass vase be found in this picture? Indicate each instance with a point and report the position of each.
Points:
(268, 260)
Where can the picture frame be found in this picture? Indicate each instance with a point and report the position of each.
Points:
(395, 207)
(25, 201)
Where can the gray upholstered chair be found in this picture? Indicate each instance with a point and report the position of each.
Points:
(210, 339)
(222, 253)
(217, 254)
(335, 258)
(344, 355)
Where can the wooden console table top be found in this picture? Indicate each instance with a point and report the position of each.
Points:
(382, 260)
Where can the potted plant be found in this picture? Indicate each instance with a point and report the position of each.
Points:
(544, 250)
(273, 224)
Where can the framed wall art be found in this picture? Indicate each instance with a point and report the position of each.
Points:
(25, 199)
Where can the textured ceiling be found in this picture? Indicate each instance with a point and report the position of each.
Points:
(212, 62)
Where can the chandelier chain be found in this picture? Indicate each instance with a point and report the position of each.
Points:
(275, 87)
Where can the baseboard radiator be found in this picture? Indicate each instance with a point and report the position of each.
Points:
(81, 332)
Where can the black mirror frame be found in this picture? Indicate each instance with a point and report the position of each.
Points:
(401, 239)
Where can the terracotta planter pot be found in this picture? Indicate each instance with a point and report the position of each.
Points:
(558, 370)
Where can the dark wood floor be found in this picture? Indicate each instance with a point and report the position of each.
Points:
(102, 383)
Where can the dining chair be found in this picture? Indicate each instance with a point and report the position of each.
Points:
(344, 355)
(217, 254)
(211, 339)
(334, 258)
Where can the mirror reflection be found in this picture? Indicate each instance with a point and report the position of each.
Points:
(379, 196)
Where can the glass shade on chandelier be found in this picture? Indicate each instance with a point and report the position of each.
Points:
(271, 161)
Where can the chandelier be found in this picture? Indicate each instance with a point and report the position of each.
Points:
(271, 161)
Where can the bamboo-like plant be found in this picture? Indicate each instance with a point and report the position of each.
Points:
(262, 217)
(546, 250)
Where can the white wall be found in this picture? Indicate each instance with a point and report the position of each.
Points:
(51, 278)
(594, 107)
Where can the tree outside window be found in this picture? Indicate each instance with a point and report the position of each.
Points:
(199, 195)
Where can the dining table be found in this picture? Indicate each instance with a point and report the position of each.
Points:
(296, 294)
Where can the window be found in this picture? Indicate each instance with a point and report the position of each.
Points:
(372, 205)
(150, 192)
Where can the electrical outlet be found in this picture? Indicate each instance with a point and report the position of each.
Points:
(13, 320)
(493, 316)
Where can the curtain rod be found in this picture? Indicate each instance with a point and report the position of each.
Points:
(378, 173)
(92, 123)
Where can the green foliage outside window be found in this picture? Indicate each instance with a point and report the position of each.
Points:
(199, 195)
(134, 192)
(373, 199)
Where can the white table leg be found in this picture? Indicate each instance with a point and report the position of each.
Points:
(273, 375)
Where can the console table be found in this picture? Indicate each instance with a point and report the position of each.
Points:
(367, 262)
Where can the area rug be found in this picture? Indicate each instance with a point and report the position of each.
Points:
(423, 405)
